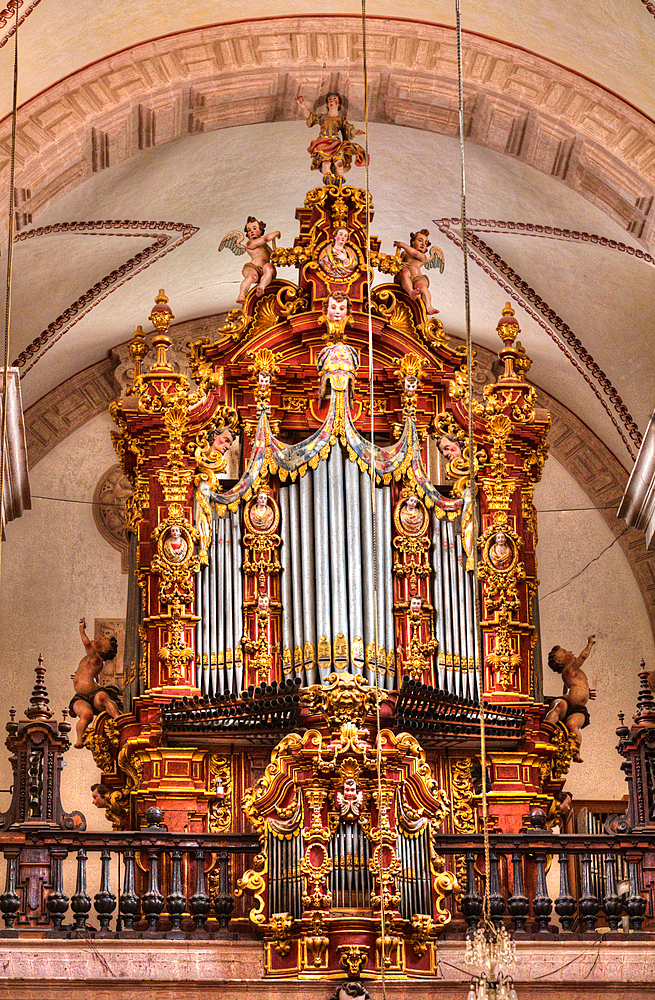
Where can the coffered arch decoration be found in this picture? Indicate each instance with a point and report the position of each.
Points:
(249, 72)
(583, 455)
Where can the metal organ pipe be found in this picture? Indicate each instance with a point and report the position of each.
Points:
(219, 608)
(354, 556)
(390, 641)
(296, 574)
(438, 601)
(228, 610)
(237, 601)
(321, 551)
(337, 547)
(285, 577)
(368, 594)
(454, 592)
(306, 488)
(381, 580)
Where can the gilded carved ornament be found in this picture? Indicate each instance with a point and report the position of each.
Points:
(175, 560)
(102, 739)
(423, 931)
(353, 957)
(220, 787)
(176, 654)
(464, 816)
(264, 368)
(278, 932)
(340, 700)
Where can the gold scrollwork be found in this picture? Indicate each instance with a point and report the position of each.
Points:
(464, 817)
(220, 786)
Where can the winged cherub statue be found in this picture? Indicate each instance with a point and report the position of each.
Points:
(414, 257)
(259, 270)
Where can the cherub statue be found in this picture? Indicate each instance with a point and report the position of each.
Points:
(333, 145)
(259, 271)
(90, 698)
(570, 708)
(353, 990)
(414, 257)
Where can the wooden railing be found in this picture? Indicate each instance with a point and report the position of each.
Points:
(180, 885)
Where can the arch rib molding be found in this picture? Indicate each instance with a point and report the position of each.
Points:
(243, 73)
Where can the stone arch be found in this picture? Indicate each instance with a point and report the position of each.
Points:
(517, 103)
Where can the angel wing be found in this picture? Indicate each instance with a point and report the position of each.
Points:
(435, 259)
(234, 242)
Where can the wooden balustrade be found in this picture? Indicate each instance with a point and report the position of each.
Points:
(180, 885)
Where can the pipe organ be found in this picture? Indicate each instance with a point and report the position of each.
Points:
(308, 644)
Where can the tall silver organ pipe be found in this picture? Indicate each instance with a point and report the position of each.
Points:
(453, 589)
(306, 487)
(323, 632)
(285, 584)
(219, 593)
(327, 553)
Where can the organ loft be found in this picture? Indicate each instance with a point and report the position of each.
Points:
(313, 633)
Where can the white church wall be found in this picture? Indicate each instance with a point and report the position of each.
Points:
(57, 568)
(604, 599)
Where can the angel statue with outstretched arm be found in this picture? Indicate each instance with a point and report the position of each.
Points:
(333, 146)
(259, 270)
(415, 257)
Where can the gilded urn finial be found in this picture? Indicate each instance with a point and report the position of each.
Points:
(507, 327)
(161, 317)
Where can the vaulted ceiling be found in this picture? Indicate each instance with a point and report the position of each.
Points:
(147, 131)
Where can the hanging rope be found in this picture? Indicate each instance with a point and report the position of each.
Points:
(472, 449)
(378, 743)
(10, 259)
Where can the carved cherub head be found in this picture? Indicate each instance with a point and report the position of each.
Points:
(353, 990)
(420, 240)
(337, 306)
(253, 228)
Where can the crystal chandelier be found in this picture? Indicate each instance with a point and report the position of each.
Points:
(493, 951)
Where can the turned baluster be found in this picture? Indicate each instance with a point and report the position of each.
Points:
(9, 900)
(542, 903)
(129, 901)
(200, 903)
(496, 901)
(612, 905)
(57, 901)
(223, 901)
(105, 900)
(471, 902)
(176, 900)
(152, 900)
(635, 905)
(81, 901)
(565, 903)
(518, 904)
(588, 905)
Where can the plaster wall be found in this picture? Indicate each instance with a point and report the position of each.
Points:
(56, 568)
(603, 599)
